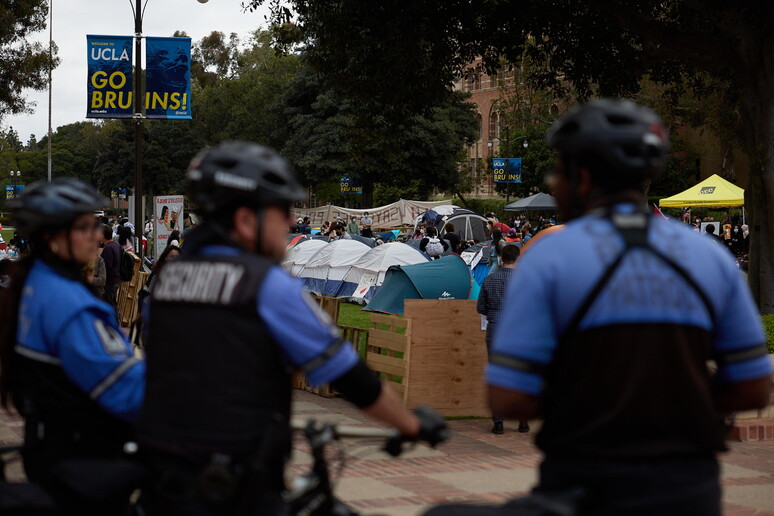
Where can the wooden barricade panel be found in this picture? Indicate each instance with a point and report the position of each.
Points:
(448, 357)
(358, 337)
(127, 295)
(329, 305)
(387, 351)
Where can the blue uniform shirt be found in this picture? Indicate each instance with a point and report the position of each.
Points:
(303, 331)
(62, 323)
(556, 276)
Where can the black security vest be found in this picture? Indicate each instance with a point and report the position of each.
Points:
(216, 379)
(632, 391)
(61, 421)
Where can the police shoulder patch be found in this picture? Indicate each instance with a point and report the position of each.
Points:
(112, 341)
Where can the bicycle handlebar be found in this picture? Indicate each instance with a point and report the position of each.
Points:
(347, 432)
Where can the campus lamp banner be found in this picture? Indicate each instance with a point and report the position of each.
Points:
(168, 217)
(506, 170)
(110, 76)
(168, 78)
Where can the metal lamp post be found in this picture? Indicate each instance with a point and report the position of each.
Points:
(490, 144)
(138, 116)
(16, 173)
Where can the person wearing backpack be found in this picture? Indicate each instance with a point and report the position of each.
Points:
(431, 245)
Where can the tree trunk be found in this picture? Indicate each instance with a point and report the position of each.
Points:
(368, 193)
(758, 118)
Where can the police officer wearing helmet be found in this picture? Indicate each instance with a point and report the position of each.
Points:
(66, 367)
(226, 327)
(613, 364)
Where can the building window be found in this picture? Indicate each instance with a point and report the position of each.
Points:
(494, 123)
(479, 127)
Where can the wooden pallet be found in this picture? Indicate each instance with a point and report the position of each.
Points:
(128, 293)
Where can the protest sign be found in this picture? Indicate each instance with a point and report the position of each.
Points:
(168, 217)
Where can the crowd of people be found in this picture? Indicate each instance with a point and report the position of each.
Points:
(631, 411)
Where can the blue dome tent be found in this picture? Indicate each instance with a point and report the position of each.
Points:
(447, 278)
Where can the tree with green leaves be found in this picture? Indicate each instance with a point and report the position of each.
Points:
(399, 53)
(23, 64)
(325, 142)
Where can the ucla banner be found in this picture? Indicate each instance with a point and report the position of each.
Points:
(348, 185)
(506, 170)
(168, 78)
(110, 77)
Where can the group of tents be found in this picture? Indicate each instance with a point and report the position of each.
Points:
(381, 276)
(384, 276)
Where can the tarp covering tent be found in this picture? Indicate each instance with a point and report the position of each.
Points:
(324, 272)
(300, 254)
(365, 240)
(538, 202)
(294, 239)
(366, 276)
(469, 225)
(447, 278)
(477, 258)
(713, 192)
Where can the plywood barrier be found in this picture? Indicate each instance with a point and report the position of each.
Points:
(388, 350)
(446, 357)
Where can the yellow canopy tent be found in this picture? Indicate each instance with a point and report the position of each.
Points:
(713, 192)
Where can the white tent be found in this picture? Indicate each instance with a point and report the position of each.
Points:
(301, 254)
(324, 272)
(367, 274)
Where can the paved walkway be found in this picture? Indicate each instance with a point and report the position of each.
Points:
(475, 466)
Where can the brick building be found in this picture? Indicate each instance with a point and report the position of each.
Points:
(485, 91)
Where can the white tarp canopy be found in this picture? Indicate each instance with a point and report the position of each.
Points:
(367, 274)
(301, 254)
(324, 272)
(391, 215)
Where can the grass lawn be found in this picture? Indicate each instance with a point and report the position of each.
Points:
(351, 314)
(7, 234)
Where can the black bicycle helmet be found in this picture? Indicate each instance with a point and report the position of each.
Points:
(51, 205)
(240, 173)
(629, 138)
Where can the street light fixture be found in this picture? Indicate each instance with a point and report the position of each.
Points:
(490, 144)
(13, 185)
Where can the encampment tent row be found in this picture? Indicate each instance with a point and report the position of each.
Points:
(366, 276)
(300, 254)
(324, 273)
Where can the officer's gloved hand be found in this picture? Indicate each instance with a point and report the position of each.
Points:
(432, 426)
(432, 429)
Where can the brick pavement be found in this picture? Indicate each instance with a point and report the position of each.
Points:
(475, 466)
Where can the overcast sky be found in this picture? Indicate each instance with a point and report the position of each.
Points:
(74, 19)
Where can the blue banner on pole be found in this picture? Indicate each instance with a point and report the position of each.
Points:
(109, 77)
(506, 170)
(168, 78)
(514, 170)
(353, 186)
